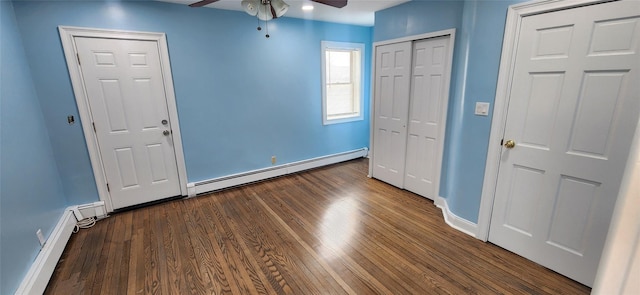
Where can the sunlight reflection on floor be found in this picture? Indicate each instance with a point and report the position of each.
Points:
(339, 224)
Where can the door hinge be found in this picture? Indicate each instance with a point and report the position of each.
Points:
(78, 55)
(108, 189)
(94, 127)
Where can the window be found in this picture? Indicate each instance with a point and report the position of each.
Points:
(342, 87)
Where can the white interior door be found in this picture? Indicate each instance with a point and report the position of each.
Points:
(426, 112)
(125, 90)
(391, 103)
(572, 113)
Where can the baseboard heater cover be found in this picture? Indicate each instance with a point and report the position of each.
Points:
(206, 186)
(95, 209)
(41, 270)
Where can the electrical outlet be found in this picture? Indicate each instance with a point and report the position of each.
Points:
(273, 160)
(40, 237)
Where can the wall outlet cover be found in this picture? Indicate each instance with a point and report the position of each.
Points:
(40, 237)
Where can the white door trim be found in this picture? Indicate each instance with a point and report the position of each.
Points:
(67, 35)
(443, 126)
(515, 14)
(412, 38)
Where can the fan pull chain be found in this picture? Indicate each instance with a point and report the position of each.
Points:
(259, 28)
(266, 24)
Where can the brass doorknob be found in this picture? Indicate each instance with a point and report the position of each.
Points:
(509, 144)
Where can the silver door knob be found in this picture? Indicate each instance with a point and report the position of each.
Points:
(166, 132)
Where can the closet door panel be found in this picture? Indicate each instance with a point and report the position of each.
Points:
(391, 104)
(426, 113)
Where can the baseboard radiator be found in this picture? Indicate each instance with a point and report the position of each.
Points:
(41, 270)
(210, 185)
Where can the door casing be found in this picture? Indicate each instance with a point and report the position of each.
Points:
(515, 14)
(67, 35)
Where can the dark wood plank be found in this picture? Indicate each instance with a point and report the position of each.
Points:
(331, 230)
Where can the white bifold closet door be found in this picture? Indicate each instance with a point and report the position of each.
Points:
(410, 108)
(425, 116)
(392, 82)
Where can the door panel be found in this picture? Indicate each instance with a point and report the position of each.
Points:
(425, 115)
(393, 68)
(518, 214)
(594, 118)
(111, 99)
(573, 109)
(126, 167)
(542, 104)
(571, 214)
(125, 90)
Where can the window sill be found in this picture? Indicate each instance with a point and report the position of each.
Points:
(341, 119)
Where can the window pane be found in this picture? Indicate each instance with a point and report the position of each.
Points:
(342, 71)
(340, 99)
(339, 66)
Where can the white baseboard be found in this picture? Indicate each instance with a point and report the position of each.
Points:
(455, 221)
(210, 185)
(42, 268)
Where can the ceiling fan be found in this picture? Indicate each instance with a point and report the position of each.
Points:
(266, 10)
(334, 3)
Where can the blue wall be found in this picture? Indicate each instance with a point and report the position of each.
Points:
(480, 28)
(481, 47)
(31, 193)
(417, 17)
(241, 97)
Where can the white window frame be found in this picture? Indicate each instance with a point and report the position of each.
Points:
(330, 45)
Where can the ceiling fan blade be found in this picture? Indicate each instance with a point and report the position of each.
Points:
(202, 3)
(334, 3)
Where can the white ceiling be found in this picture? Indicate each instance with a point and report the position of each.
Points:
(357, 12)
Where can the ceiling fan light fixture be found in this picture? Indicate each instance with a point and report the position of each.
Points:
(251, 6)
(279, 7)
(264, 11)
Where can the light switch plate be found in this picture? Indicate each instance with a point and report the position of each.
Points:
(482, 108)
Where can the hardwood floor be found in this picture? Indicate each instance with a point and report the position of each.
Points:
(327, 231)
